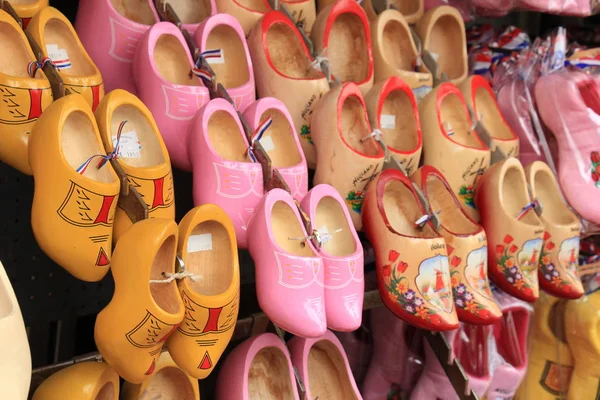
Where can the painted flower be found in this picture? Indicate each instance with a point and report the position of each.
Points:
(547, 235)
(393, 256)
(468, 296)
(401, 286)
(409, 295)
(460, 302)
(595, 156)
(513, 248)
(410, 308)
(550, 267)
(499, 249)
(393, 296)
(508, 239)
(471, 306)
(455, 261)
(455, 281)
(557, 281)
(546, 259)
(418, 302)
(547, 277)
(555, 273)
(518, 276)
(519, 284)
(513, 270)
(422, 312)
(449, 249)
(510, 279)
(595, 176)
(509, 263)
(461, 288)
(387, 270)
(402, 266)
(550, 245)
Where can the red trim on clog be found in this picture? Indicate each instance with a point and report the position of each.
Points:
(478, 82)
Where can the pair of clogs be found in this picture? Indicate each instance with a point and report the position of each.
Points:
(263, 368)
(74, 212)
(308, 277)
(193, 309)
(25, 89)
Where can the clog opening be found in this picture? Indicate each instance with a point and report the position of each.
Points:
(79, 141)
(165, 295)
(287, 228)
(135, 10)
(398, 114)
(510, 333)
(287, 55)
(348, 50)
(456, 122)
(398, 46)
(443, 202)
(471, 349)
(226, 138)
(402, 210)
(269, 376)
(172, 61)
(57, 33)
(209, 255)
(191, 11)
(328, 376)
(355, 127)
(106, 392)
(16, 58)
(233, 72)
(279, 140)
(254, 5)
(331, 217)
(169, 383)
(446, 42)
(6, 302)
(515, 196)
(554, 209)
(490, 115)
(137, 129)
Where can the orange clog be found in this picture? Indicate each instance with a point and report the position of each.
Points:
(81, 381)
(74, 199)
(28, 8)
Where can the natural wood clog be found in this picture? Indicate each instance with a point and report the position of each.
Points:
(247, 12)
(304, 12)
(412, 10)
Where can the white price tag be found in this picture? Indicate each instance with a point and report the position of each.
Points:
(387, 121)
(59, 57)
(217, 60)
(199, 243)
(267, 143)
(129, 145)
(325, 235)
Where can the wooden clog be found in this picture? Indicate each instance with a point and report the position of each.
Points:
(81, 381)
(28, 8)
(247, 12)
(412, 10)
(304, 12)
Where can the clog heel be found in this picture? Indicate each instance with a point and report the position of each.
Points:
(59, 42)
(75, 194)
(146, 308)
(24, 97)
(124, 119)
(81, 381)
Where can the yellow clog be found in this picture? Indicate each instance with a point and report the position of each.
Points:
(28, 8)
(22, 98)
(131, 330)
(208, 248)
(169, 383)
(59, 41)
(83, 381)
(142, 154)
(74, 201)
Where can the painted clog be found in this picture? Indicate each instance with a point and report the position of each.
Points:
(59, 42)
(466, 244)
(27, 9)
(280, 141)
(124, 119)
(577, 135)
(480, 97)
(74, 199)
(284, 70)
(258, 369)
(451, 144)
(304, 13)
(348, 155)
(80, 381)
(24, 97)
(395, 53)
(168, 382)
(323, 368)
(223, 43)
(342, 255)
(15, 368)
(208, 249)
(581, 322)
(145, 309)
(514, 231)
(442, 32)
(412, 10)
(247, 12)
(162, 72)
(341, 34)
(550, 360)
(192, 13)
(392, 108)
(413, 276)
(224, 173)
(110, 31)
(289, 270)
(559, 258)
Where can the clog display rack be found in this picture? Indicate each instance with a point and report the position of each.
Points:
(424, 239)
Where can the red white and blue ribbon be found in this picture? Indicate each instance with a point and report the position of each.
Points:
(104, 157)
(526, 209)
(257, 135)
(215, 54)
(201, 72)
(512, 38)
(33, 66)
(584, 62)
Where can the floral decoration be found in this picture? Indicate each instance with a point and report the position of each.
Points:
(463, 298)
(595, 158)
(468, 195)
(355, 200)
(305, 133)
(506, 260)
(547, 267)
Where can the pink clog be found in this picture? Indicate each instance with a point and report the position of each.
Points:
(222, 41)
(193, 12)
(569, 105)
(110, 34)
(162, 72)
(280, 141)
(260, 368)
(323, 368)
(223, 173)
(289, 269)
(342, 255)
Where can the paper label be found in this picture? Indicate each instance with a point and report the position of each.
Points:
(267, 143)
(448, 128)
(199, 243)
(129, 145)
(325, 235)
(216, 60)
(387, 121)
(59, 57)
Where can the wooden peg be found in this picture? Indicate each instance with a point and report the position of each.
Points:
(167, 13)
(130, 200)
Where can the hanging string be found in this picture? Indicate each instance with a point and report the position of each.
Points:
(317, 236)
(319, 58)
(170, 277)
(104, 157)
(199, 71)
(420, 223)
(33, 66)
(526, 209)
(376, 134)
(256, 136)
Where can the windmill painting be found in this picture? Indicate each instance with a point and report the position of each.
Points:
(476, 271)
(529, 257)
(568, 255)
(434, 282)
